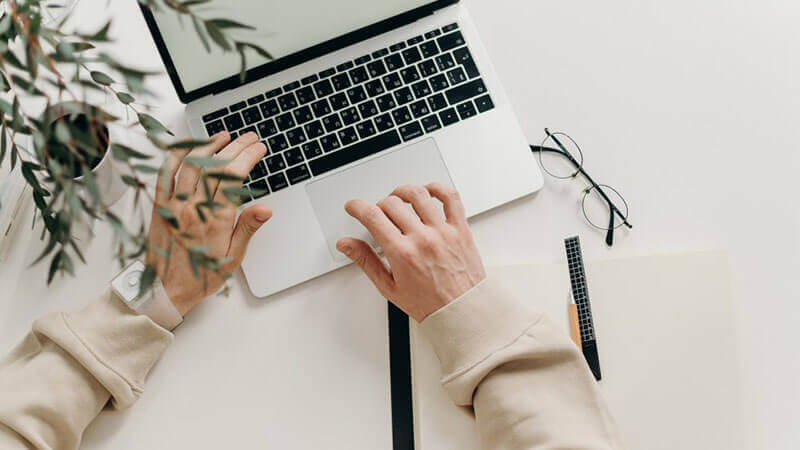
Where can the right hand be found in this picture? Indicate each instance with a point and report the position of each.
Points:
(432, 258)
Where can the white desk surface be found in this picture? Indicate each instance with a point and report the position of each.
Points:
(689, 108)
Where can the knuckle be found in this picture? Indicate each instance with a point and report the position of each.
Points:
(372, 213)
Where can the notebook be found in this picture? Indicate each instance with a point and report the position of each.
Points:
(665, 335)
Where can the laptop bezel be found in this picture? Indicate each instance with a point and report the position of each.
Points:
(288, 61)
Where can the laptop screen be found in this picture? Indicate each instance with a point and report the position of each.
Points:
(282, 28)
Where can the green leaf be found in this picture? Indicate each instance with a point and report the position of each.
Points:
(218, 36)
(122, 152)
(147, 279)
(188, 144)
(101, 78)
(152, 125)
(125, 98)
(227, 23)
(222, 176)
(200, 34)
(145, 168)
(198, 161)
(182, 196)
(168, 215)
(130, 181)
(241, 194)
(258, 49)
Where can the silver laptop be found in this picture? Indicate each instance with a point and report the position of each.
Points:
(363, 96)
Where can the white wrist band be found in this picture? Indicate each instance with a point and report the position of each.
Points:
(154, 303)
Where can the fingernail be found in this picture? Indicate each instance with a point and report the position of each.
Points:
(344, 248)
(262, 219)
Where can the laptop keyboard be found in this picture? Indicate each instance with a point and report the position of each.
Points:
(358, 108)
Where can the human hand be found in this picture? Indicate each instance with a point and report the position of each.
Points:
(221, 234)
(432, 258)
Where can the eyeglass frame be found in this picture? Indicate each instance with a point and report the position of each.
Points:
(614, 210)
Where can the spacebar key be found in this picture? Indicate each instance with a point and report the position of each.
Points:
(355, 152)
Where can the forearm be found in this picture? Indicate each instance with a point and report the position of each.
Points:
(59, 378)
(528, 384)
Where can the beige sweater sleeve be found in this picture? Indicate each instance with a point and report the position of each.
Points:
(56, 381)
(527, 382)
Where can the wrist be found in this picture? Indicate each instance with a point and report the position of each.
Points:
(153, 302)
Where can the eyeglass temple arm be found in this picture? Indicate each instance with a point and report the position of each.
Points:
(579, 168)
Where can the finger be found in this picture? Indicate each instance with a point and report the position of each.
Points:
(166, 175)
(398, 212)
(453, 208)
(375, 221)
(240, 167)
(229, 154)
(364, 256)
(250, 220)
(421, 200)
(189, 174)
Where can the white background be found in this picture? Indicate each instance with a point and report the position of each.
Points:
(690, 109)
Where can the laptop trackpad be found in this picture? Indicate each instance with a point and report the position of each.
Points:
(419, 163)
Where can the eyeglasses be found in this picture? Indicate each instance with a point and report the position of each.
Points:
(562, 158)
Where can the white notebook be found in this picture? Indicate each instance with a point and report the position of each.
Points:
(666, 341)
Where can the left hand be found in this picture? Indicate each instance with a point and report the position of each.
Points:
(220, 233)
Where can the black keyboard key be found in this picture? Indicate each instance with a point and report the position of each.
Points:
(321, 108)
(269, 108)
(312, 149)
(214, 127)
(365, 129)
(380, 53)
(277, 143)
(305, 94)
(376, 68)
(329, 143)
(421, 89)
(466, 110)
(285, 121)
(363, 59)
(350, 115)
(293, 156)
(233, 135)
(456, 76)
(259, 171)
(358, 151)
(429, 49)
(275, 163)
(218, 114)
(237, 106)
(267, 128)
(233, 122)
(339, 101)
(471, 69)
(323, 88)
(398, 46)
(466, 91)
(274, 93)
(298, 174)
(309, 79)
(428, 68)
(392, 81)
(450, 41)
(259, 189)
(367, 109)
(431, 123)
(374, 87)
(332, 122)
(419, 109)
(449, 28)
(340, 81)
(277, 182)
(359, 75)
(386, 102)
(403, 96)
(401, 115)
(383, 122)
(256, 99)
(414, 40)
(251, 115)
(345, 66)
(448, 116)
(287, 102)
(445, 61)
(302, 115)
(327, 72)
(484, 103)
(409, 74)
(462, 55)
(411, 131)
(295, 136)
(439, 82)
(356, 95)
(412, 56)
(393, 62)
(347, 136)
(437, 102)
(291, 86)
(244, 131)
(314, 129)
(432, 34)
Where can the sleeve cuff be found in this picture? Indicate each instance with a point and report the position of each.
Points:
(469, 329)
(115, 344)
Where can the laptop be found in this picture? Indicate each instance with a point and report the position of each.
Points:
(362, 96)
